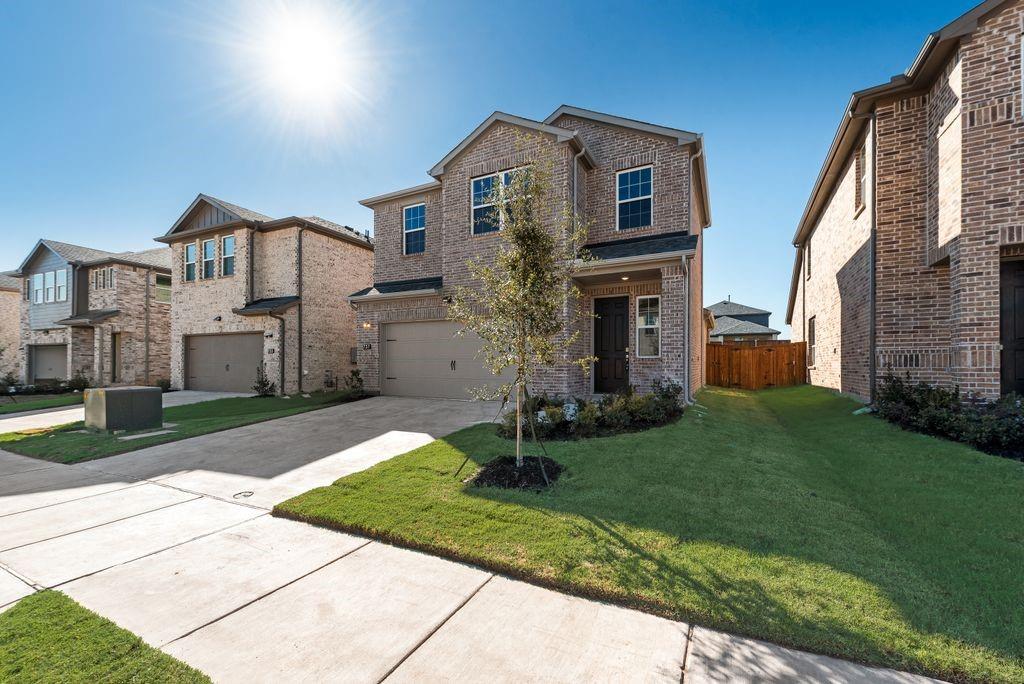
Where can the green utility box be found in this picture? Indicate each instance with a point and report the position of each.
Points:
(124, 408)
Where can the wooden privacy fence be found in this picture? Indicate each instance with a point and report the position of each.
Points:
(755, 368)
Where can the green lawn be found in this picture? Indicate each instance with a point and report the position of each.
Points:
(47, 637)
(36, 404)
(65, 444)
(778, 515)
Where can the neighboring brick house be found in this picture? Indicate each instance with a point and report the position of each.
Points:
(104, 314)
(735, 322)
(10, 324)
(643, 190)
(910, 253)
(249, 291)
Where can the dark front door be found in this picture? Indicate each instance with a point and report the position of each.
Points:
(611, 335)
(1011, 317)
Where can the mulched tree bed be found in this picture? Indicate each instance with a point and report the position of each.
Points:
(502, 472)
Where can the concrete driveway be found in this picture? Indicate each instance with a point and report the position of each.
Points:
(34, 420)
(154, 541)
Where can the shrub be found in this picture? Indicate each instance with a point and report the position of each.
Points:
(9, 380)
(263, 387)
(79, 382)
(354, 382)
(995, 427)
(164, 384)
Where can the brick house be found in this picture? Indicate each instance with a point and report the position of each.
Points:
(735, 322)
(10, 323)
(104, 314)
(644, 190)
(910, 253)
(249, 291)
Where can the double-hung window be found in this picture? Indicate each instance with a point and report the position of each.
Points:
(50, 286)
(62, 285)
(209, 259)
(634, 198)
(414, 229)
(37, 288)
(648, 326)
(190, 261)
(486, 217)
(227, 255)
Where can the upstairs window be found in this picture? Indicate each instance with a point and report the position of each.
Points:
(190, 262)
(62, 285)
(50, 279)
(227, 256)
(634, 199)
(37, 288)
(486, 217)
(102, 278)
(414, 229)
(162, 291)
(209, 259)
(648, 327)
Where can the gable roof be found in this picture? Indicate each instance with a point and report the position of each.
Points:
(724, 325)
(731, 308)
(681, 136)
(937, 47)
(398, 194)
(560, 135)
(238, 212)
(74, 254)
(158, 257)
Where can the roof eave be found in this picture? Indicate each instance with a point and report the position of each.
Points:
(371, 296)
(371, 202)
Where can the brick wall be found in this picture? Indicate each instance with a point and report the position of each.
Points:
(10, 332)
(388, 235)
(836, 289)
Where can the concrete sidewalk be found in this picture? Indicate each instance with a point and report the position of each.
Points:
(52, 417)
(220, 584)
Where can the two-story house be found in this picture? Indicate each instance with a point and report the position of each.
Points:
(910, 252)
(10, 324)
(642, 189)
(735, 322)
(251, 292)
(102, 314)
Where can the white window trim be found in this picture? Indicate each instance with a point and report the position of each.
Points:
(224, 255)
(58, 286)
(406, 231)
(50, 286)
(619, 202)
(37, 292)
(647, 327)
(203, 259)
(472, 222)
(159, 288)
(193, 263)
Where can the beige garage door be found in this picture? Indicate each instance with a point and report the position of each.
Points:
(223, 363)
(427, 359)
(50, 362)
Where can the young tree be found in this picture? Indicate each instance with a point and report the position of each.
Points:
(523, 305)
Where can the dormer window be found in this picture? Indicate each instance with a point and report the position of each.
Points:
(634, 200)
(414, 229)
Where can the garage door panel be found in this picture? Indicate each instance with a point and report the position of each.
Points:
(50, 362)
(223, 363)
(418, 361)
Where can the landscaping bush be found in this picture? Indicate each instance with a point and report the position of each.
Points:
(354, 382)
(164, 384)
(995, 427)
(8, 380)
(79, 382)
(626, 411)
(263, 387)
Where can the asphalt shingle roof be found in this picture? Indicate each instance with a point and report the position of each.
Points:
(725, 325)
(89, 317)
(241, 212)
(725, 308)
(337, 227)
(262, 307)
(77, 253)
(395, 286)
(8, 282)
(159, 257)
(641, 246)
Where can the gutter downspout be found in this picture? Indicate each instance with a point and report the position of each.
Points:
(249, 260)
(149, 274)
(280, 350)
(686, 331)
(872, 247)
(298, 259)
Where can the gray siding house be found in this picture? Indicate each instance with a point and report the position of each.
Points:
(103, 314)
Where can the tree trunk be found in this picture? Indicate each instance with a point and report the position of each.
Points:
(519, 425)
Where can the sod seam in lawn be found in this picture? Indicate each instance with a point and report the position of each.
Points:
(39, 404)
(777, 515)
(67, 444)
(47, 637)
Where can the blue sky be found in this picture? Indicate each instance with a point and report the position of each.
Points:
(115, 114)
